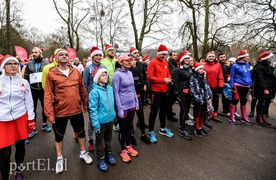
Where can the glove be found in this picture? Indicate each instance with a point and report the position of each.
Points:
(97, 132)
(31, 125)
(266, 91)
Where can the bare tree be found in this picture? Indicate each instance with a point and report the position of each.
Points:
(73, 19)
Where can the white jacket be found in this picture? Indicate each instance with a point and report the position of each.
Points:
(14, 103)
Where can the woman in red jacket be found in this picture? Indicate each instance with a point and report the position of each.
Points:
(215, 80)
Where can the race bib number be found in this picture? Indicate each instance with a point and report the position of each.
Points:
(36, 77)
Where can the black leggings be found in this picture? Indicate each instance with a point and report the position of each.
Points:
(5, 158)
(59, 127)
(126, 125)
(39, 94)
(215, 100)
(242, 91)
(184, 104)
(158, 102)
(140, 115)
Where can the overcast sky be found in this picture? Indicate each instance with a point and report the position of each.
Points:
(40, 14)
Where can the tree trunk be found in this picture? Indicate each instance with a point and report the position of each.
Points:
(206, 28)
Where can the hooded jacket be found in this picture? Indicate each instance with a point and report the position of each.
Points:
(240, 74)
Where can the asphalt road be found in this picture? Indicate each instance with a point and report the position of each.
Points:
(239, 152)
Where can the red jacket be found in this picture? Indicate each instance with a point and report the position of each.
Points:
(158, 70)
(214, 74)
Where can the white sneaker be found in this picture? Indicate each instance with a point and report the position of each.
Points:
(190, 117)
(228, 114)
(237, 115)
(189, 122)
(85, 156)
(59, 166)
(116, 127)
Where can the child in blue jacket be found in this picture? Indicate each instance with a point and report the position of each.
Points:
(102, 114)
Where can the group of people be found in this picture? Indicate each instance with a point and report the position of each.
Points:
(112, 89)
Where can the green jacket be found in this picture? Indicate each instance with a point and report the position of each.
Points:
(109, 64)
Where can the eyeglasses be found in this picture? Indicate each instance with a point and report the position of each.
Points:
(12, 64)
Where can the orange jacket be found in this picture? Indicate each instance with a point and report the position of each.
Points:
(69, 94)
(214, 74)
(158, 70)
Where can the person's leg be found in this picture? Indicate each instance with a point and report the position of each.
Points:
(162, 112)
(122, 132)
(99, 143)
(90, 133)
(35, 95)
(5, 159)
(259, 110)
(19, 153)
(129, 117)
(243, 91)
(182, 111)
(59, 128)
(141, 117)
(155, 102)
(77, 122)
(108, 138)
(215, 104)
(265, 111)
(41, 98)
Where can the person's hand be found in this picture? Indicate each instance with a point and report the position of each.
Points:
(98, 132)
(145, 88)
(136, 108)
(167, 80)
(31, 125)
(266, 91)
(233, 90)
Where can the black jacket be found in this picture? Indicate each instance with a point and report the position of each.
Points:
(182, 76)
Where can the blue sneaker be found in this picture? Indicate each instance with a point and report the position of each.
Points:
(110, 159)
(232, 121)
(247, 122)
(166, 132)
(102, 165)
(46, 128)
(152, 137)
(32, 134)
(27, 141)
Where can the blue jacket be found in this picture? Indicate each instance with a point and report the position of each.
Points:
(199, 88)
(88, 76)
(101, 105)
(124, 91)
(227, 91)
(240, 74)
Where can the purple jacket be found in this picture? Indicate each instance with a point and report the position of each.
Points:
(124, 91)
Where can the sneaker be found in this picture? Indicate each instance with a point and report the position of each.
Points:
(18, 175)
(187, 130)
(116, 127)
(76, 136)
(102, 165)
(189, 122)
(237, 115)
(91, 148)
(246, 121)
(251, 114)
(190, 116)
(185, 135)
(133, 140)
(59, 166)
(152, 137)
(145, 139)
(208, 125)
(228, 114)
(131, 151)
(203, 132)
(32, 134)
(46, 128)
(110, 159)
(85, 156)
(27, 141)
(166, 132)
(125, 156)
(171, 118)
(233, 121)
(206, 128)
(198, 133)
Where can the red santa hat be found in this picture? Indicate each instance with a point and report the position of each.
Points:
(123, 57)
(211, 53)
(197, 66)
(162, 49)
(146, 58)
(94, 51)
(40, 49)
(183, 56)
(108, 47)
(242, 54)
(133, 50)
(97, 73)
(5, 59)
(187, 52)
(265, 55)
